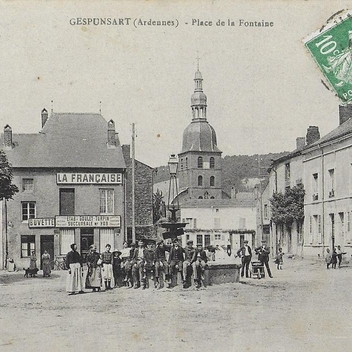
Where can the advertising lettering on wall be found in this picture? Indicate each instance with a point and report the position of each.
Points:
(88, 221)
(89, 178)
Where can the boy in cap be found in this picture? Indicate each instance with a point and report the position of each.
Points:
(189, 252)
(107, 261)
(199, 261)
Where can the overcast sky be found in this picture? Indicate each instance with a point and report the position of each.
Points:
(263, 88)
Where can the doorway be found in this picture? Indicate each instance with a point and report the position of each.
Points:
(47, 243)
(87, 239)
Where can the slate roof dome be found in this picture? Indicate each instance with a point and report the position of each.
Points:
(198, 98)
(199, 136)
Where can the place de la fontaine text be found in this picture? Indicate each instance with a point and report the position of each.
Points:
(231, 23)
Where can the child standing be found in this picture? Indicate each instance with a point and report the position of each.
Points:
(328, 258)
(279, 259)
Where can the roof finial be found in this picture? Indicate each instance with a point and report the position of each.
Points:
(198, 58)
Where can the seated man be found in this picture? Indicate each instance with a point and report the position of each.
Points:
(160, 260)
(138, 259)
(199, 260)
(149, 261)
(175, 257)
(189, 252)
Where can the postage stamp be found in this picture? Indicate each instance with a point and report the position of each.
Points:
(331, 49)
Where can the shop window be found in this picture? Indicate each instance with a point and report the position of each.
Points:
(27, 245)
(106, 237)
(28, 210)
(212, 163)
(106, 201)
(212, 181)
(67, 237)
(67, 201)
(27, 185)
(206, 240)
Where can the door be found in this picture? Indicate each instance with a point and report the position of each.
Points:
(47, 243)
(87, 239)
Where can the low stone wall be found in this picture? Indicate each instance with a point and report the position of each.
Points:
(222, 273)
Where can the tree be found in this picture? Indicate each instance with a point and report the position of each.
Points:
(7, 189)
(288, 208)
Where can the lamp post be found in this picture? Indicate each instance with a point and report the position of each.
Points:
(173, 227)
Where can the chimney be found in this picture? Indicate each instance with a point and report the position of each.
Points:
(44, 116)
(111, 133)
(345, 113)
(7, 137)
(300, 142)
(126, 152)
(117, 139)
(313, 134)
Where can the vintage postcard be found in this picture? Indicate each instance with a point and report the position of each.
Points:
(175, 175)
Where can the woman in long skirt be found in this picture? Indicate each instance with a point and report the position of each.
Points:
(74, 264)
(33, 261)
(46, 264)
(93, 260)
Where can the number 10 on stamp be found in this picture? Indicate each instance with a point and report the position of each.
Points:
(332, 51)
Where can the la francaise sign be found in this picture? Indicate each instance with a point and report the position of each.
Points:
(89, 178)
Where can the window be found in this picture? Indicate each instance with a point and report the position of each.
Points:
(266, 213)
(212, 197)
(181, 164)
(106, 201)
(67, 237)
(206, 240)
(27, 185)
(27, 245)
(106, 237)
(217, 237)
(212, 163)
(67, 201)
(200, 197)
(189, 222)
(194, 223)
(212, 181)
(200, 162)
(331, 183)
(200, 240)
(186, 163)
(315, 187)
(187, 237)
(310, 229)
(200, 180)
(28, 210)
(206, 195)
(287, 171)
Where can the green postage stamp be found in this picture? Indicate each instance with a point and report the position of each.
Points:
(331, 48)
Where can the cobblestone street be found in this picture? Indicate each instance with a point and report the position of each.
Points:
(303, 308)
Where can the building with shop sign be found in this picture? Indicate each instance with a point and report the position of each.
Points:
(72, 188)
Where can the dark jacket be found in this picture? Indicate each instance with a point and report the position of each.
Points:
(160, 252)
(263, 253)
(189, 253)
(241, 252)
(73, 257)
(176, 254)
(199, 255)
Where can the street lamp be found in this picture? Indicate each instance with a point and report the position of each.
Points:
(173, 227)
(173, 204)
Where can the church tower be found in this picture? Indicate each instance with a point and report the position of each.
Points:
(199, 170)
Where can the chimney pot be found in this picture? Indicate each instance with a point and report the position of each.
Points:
(111, 133)
(313, 134)
(345, 113)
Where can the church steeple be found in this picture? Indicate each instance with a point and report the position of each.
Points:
(198, 99)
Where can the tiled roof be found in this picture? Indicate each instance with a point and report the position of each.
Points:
(67, 140)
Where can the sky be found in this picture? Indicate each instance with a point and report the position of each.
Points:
(262, 85)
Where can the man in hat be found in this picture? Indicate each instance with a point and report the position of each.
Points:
(117, 261)
(138, 260)
(160, 260)
(107, 261)
(176, 257)
(199, 261)
(263, 256)
(189, 252)
(245, 253)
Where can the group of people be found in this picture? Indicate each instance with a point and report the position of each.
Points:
(132, 266)
(263, 252)
(334, 258)
(46, 263)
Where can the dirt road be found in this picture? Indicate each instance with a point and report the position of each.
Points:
(303, 308)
